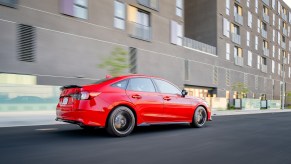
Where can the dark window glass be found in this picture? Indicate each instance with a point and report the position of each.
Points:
(141, 85)
(166, 87)
(120, 84)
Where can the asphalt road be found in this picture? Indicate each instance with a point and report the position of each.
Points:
(260, 139)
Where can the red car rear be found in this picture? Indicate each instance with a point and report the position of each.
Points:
(121, 103)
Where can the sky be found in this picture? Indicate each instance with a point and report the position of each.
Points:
(288, 2)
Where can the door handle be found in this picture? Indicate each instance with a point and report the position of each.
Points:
(136, 96)
(167, 98)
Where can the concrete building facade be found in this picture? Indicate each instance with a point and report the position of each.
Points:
(61, 42)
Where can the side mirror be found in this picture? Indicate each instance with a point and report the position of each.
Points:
(184, 93)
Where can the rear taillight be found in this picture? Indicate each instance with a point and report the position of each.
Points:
(85, 95)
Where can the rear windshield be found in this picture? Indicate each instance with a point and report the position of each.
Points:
(103, 80)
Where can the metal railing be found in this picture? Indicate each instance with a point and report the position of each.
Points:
(267, 2)
(190, 43)
(264, 33)
(266, 51)
(236, 38)
(284, 16)
(139, 31)
(239, 61)
(264, 68)
(285, 32)
(266, 17)
(283, 45)
(238, 18)
(153, 4)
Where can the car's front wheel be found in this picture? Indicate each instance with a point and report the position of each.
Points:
(121, 122)
(199, 118)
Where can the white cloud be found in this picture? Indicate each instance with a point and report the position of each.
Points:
(288, 2)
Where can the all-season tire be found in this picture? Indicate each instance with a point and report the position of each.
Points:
(121, 122)
(199, 117)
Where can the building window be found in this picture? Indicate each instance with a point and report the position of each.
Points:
(226, 27)
(176, 33)
(9, 3)
(256, 42)
(238, 56)
(274, 50)
(273, 66)
(179, 8)
(119, 15)
(75, 8)
(274, 4)
(279, 7)
(259, 26)
(250, 58)
(248, 3)
(248, 38)
(256, 5)
(279, 68)
(227, 51)
(139, 23)
(279, 38)
(279, 23)
(259, 62)
(153, 4)
(274, 19)
(250, 19)
(227, 5)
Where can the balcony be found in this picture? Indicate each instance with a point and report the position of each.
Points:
(153, 4)
(266, 17)
(285, 32)
(266, 51)
(267, 2)
(139, 31)
(264, 68)
(283, 45)
(238, 18)
(236, 38)
(193, 44)
(284, 16)
(239, 61)
(264, 33)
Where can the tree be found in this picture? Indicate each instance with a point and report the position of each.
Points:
(116, 63)
(241, 88)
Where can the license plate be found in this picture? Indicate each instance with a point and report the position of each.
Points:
(65, 101)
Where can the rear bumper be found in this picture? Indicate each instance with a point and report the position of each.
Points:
(81, 117)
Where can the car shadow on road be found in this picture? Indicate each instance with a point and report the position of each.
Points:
(76, 132)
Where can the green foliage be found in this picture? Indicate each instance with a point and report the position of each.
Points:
(241, 88)
(116, 63)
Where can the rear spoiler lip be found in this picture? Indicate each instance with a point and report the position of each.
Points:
(69, 86)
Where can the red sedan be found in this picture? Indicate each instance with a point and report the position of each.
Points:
(121, 103)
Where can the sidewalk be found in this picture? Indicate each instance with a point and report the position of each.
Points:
(32, 118)
(243, 112)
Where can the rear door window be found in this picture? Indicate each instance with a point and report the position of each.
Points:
(141, 85)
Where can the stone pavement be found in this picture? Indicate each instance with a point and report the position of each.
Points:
(32, 118)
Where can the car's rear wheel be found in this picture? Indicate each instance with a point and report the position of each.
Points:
(121, 122)
(199, 118)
